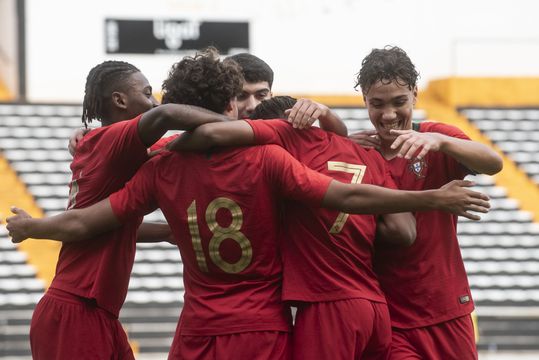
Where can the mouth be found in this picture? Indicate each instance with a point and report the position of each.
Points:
(395, 125)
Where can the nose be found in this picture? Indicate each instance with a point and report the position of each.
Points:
(389, 114)
(154, 101)
(251, 103)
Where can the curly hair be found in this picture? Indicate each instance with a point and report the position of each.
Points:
(203, 80)
(386, 65)
(254, 69)
(101, 82)
(273, 108)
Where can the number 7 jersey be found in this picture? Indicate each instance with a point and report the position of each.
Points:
(223, 209)
(327, 255)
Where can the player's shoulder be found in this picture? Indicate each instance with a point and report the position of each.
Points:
(436, 126)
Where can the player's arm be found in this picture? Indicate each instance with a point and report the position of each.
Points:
(149, 232)
(157, 121)
(69, 226)
(204, 137)
(396, 229)
(454, 197)
(306, 111)
(474, 155)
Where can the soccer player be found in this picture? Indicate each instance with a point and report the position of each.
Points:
(333, 274)
(425, 285)
(223, 210)
(78, 315)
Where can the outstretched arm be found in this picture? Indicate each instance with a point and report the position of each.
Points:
(306, 111)
(475, 156)
(157, 121)
(204, 137)
(453, 197)
(69, 226)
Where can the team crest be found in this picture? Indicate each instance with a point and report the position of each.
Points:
(418, 167)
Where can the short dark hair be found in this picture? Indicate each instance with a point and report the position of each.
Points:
(273, 108)
(101, 82)
(203, 80)
(253, 68)
(386, 65)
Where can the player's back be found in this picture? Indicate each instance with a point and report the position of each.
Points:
(329, 255)
(224, 209)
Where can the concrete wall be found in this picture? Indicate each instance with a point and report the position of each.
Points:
(314, 46)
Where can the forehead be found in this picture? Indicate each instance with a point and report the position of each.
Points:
(255, 87)
(388, 90)
(137, 80)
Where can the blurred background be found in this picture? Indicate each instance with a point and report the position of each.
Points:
(479, 67)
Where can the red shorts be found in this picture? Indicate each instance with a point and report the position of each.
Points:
(255, 345)
(68, 327)
(453, 339)
(344, 329)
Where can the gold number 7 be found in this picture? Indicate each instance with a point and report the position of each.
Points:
(358, 172)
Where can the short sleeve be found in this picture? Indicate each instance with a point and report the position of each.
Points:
(277, 131)
(293, 179)
(137, 198)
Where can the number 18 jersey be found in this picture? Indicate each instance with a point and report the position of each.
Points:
(223, 209)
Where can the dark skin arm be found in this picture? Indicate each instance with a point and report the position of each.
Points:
(157, 121)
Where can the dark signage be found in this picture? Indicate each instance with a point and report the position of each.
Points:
(174, 36)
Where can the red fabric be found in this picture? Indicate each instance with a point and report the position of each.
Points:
(161, 143)
(319, 265)
(451, 340)
(220, 297)
(426, 283)
(322, 333)
(67, 327)
(259, 345)
(99, 269)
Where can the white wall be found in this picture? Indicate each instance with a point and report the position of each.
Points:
(8, 45)
(314, 46)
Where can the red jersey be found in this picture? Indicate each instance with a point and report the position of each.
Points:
(99, 269)
(426, 283)
(327, 255)
(223, 211)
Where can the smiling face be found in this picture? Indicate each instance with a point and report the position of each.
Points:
(390, 106)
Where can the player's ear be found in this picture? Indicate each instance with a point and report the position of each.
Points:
(119, 100)
(415, 95)
(231, 109)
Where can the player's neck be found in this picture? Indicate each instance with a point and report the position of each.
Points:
(387, 152)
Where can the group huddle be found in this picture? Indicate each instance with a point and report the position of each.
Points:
(357, 233)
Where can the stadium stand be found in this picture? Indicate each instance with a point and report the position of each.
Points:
(499, 251)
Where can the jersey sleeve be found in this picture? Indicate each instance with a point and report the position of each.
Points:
(276, 131)
(293, 179)
(124, 145)
(455, 169)
(137, 197)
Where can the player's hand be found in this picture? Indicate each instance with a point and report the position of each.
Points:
(459, 200)
(413, 144)
(75, 138)
(366, 138)
(305, 112)
(16, 225)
